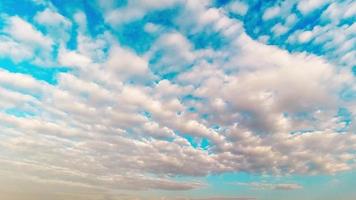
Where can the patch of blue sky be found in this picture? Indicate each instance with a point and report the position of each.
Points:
(304, 23)
(134, 35)
(192, 140)
(190, 97)
(354, 70)
(169, 76)
(48, 75)
(94, 18)
(69, 7)
(196, 142)
(345, 116)
(330, 187)
(348, 94)
(19, 112)
(347, 21)
(146, 114)
(204, 40)
(25, 8)
(255, 26)
(205, 143)
(164, 17)
(220, 3)
(72, 43)
(227, 184)
(253, 23)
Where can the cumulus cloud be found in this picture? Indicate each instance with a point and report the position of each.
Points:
(271, 13)
(133, 11)
(23, 31)
(306, 6)
(25, 41)
(51, 18)
(56, 24)
(238, 7)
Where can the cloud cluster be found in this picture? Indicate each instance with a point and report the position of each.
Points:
(115, 120)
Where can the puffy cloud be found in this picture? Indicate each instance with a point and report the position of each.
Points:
(26, 42)
(23, 31)
(126, 64)
(73, 59)
(51, 18)
(14, 50)
(177, 54)
(271, 13)
(133, 11)
(238, 7)
(307, 6)
(279, 29)
(56, 24)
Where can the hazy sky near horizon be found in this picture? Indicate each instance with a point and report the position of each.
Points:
(177, 100)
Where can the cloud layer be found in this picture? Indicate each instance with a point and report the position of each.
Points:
(121, 119)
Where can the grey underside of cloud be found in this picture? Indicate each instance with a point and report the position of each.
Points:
(262, 109)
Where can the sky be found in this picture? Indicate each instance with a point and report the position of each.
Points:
(177, 99)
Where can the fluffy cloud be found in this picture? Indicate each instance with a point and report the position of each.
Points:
(271, 13)
(56, 24)
(134, 10)
(25, 41)
(51, 18)
(306, 6)
(12, 49)
(23, 31)
(238, 7)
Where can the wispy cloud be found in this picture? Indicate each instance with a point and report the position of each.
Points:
(271, 186)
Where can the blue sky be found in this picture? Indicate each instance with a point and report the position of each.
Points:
(177, 99)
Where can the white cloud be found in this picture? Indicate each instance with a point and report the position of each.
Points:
(135, 10)
(262, 109)
(81, 19)
(50, 18)
(26, 42)
(126, 64)
(23, 31)
(73, 59)
(279, 29)
(291, 20)
(14, 50)
(305, 36)
(152, 28)
(339, 10)
(56, 25)
(271, 13)
(177, 52)
(272, 186)
(238, 7)
(307, 6)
